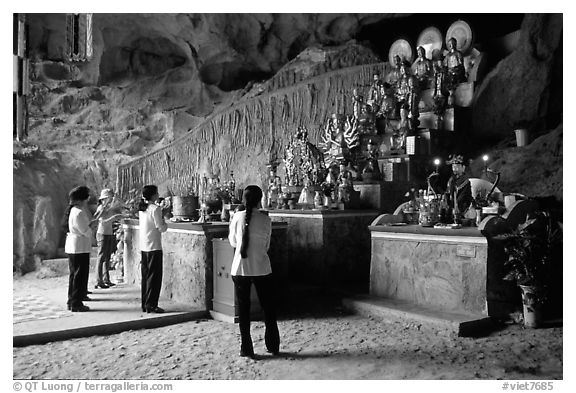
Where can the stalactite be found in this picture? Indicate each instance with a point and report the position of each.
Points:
(267, 120)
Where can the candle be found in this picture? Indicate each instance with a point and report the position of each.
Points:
(485, 159)
(436, 163)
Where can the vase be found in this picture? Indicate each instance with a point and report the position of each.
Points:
(532, 306)
(185, 206)
(318, 200)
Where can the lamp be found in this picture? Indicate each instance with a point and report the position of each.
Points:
(485, 159)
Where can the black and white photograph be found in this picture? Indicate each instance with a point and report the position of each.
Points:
(239, 194)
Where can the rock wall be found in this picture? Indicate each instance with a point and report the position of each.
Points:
(526, 86)
(246, 136)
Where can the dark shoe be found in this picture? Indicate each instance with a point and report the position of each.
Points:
(275, 353)
(88, 292)
(110, 284)
(86, 299)
(247, 354)
(103, 286)
(80, 308)
(155, 310)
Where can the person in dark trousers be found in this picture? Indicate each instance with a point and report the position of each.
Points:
(250, 232)
(152, 225)
(105, 237)
(78, 245)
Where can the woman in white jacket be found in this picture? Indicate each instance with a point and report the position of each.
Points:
(78, 245)
(152, 225)
(250, 232)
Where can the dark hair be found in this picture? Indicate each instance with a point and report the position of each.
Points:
(252, 196)
(75, 196)
(147, 194)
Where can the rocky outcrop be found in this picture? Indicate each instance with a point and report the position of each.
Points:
(526, 86)
(535, 170)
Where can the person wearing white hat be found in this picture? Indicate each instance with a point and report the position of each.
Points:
(105, 236)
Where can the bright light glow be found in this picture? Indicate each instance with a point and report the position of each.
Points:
(437, 162)
(485, 157)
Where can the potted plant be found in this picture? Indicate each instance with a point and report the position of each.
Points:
(530, 249)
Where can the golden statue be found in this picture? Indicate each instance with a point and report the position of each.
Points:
(422, 69)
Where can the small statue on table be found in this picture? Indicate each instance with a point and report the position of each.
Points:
(357, 103)
(329, 185)
(394, 76)
(374, 94)
(274, 187)
(402, 88)
(307, 195)
(366, 121)
(455, 71)
(387, 103)
(339, 139)
(371, 170)
(440, 92)
(292, 177)
(344, 184)
(398, 138)
(422, 69)
(459, 189)
(387, 107)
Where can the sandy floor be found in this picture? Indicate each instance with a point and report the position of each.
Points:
(319, 341)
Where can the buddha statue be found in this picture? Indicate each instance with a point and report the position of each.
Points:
(374, 94)
(387, 103)
(340, 136)
(454, 62)
(422, 69)
(398, 138)
(440, 92)
(366, 120)
(344, 184)
(394, 75)
(274, 189)
(357, 103)
(402, 87)
(371, 170)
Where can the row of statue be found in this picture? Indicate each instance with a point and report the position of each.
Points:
(393, 102)
(399, 95)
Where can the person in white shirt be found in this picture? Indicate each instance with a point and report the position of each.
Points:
(250, 232)
(78, 245)
(152, 225)
(105, 236)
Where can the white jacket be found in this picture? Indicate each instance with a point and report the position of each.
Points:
(151, 225)
(79, 236)
(257, 262)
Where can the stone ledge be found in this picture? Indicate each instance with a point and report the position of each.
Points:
(463, 325)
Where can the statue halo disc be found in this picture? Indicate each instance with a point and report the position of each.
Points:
(402, 48)
(430, 38)
(463, 34)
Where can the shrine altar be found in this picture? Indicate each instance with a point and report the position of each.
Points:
(328, 247)
(441, 268)
(188, 258)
